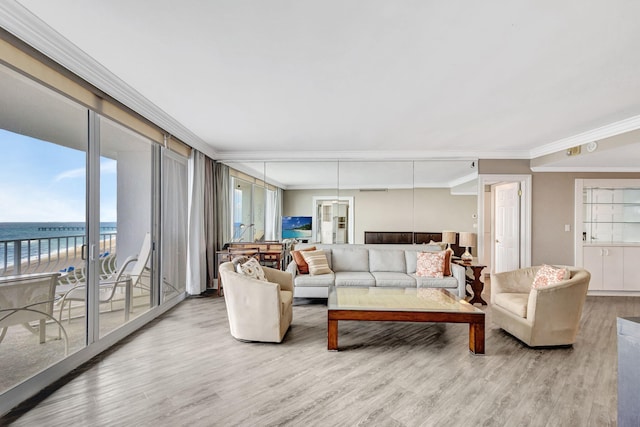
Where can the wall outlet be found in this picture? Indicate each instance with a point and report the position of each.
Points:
(567, 227)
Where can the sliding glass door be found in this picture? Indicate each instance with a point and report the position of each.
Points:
(124, 261)
(44, 145)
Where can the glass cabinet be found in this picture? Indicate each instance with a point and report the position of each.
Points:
(611, 215)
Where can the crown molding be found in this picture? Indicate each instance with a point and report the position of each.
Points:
(20, 22)
(607, 131)
(298, 155)
(585, 169)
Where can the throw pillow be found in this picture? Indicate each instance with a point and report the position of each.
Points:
(430, 264)
(447, 262)
(303, 268)
(548, 275)
(252, 268)
(317, 262)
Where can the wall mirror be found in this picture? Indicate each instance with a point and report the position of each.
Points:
(345, 199)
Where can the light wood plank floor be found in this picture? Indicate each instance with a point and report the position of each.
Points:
(186, 369)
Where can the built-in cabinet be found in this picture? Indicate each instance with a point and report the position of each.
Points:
(608, 234)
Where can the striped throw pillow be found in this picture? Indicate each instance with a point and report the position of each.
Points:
(317, 262)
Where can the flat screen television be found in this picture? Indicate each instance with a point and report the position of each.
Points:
(296, 227)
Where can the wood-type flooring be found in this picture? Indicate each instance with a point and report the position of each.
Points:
(185, 369)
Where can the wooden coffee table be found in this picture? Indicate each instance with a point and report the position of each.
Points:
(402, 305)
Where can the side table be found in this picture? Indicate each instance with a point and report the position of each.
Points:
(476, 285)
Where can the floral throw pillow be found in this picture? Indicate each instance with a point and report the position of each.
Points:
(548, 275)
(252, 268)
(430, 264)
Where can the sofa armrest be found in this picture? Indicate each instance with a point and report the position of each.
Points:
(292, 268)
(283, 278)
(560, 303)
(459, 272)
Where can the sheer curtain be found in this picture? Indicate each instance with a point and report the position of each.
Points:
(273, 224)
(196, 252)
(174, 223)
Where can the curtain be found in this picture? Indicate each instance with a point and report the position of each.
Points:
(273, 223)
(196, 250)
(210, 219)
(222, 207)
(174, 223)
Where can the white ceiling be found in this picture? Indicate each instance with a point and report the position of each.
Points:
(362, 79)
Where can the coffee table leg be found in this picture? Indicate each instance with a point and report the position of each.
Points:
(476, 338)
(332, 335)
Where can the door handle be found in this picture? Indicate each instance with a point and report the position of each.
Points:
(83, 252)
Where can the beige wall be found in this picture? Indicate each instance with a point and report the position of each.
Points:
(393, 210)
(552, 207)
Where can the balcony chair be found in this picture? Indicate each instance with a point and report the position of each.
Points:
(258, 310)
(108, 286)
(28, 298)
(540, 317)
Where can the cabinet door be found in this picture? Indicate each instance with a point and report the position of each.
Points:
(592, 261)
(613, 268)
(631, 269)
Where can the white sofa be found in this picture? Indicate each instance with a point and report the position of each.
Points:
(372, 265)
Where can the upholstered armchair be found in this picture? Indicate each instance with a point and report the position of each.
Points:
(546, 316)
(258, 310)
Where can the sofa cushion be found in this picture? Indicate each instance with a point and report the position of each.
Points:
(354, 278)
(313, 281)
(431, 264)
(393, 279)
(515, 303)
(436, 282)
(387, 260)
(548, 275)
(350, 259)
(317, 262)
(303, 268)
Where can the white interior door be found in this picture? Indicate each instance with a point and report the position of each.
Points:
(326, 223)
(507, 227)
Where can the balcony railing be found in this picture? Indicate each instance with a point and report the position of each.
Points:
(48, 253)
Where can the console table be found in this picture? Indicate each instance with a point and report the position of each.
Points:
(476, 285)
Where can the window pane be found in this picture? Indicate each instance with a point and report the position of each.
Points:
(43, 140)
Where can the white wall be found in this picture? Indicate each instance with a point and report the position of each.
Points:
(393, 210)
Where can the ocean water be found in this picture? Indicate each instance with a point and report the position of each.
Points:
(42, 237)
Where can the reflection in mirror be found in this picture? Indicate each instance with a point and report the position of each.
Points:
(248, 201)
(381, 196)
(445, 196)
(305, 186)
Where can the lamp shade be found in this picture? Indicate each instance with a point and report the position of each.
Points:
(448, 236)
(467, 240)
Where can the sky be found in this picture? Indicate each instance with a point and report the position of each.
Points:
(42, 181)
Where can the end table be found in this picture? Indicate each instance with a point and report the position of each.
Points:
(476, 285)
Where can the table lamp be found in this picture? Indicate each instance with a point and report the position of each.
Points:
(467, 240)
(449, 237)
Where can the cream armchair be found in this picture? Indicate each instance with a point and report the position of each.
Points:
(258, 310)
(540, 317)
